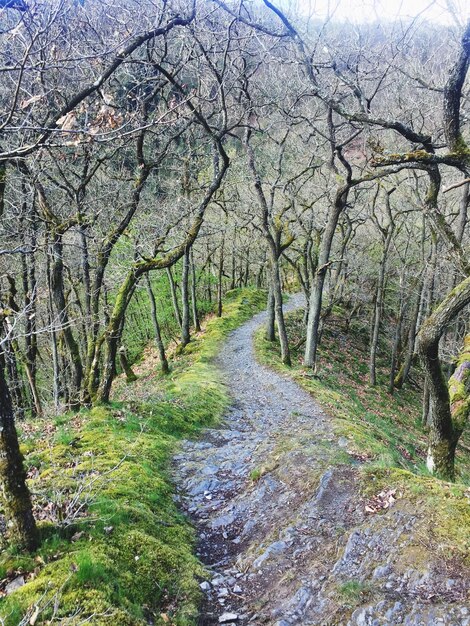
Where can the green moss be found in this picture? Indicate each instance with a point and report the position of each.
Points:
(115, 547)
(459, 388)
(444, 511)
(384, 430)
(461, 148)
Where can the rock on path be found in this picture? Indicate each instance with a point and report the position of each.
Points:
(282, 529)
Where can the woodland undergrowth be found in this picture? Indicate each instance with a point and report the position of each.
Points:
(114, 548)
(377, 432)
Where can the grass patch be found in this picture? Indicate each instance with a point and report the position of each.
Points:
(114, 547)
(383, 432)
(382, 429)
(354, 592)
(444, 508)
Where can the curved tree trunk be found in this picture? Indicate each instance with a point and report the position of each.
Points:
(445, 424)
(459, 388)
(125, 365)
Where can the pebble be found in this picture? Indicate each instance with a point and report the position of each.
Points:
(15, 584)
(228, 617)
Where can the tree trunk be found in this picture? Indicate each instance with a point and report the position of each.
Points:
(126, 368)
(271, 315)
(377, 318)
(21, 526)
(197, 325)
(57, 285)
(395, 348)
(156, 326)
(30, 304)
(459, 388)
(234, 262)
(280, 321)
(220, 274)
(316, 297)
(404, 371)
(445, 425)
(185, 335)
(174, 297)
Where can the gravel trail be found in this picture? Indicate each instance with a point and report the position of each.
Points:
(281, 525)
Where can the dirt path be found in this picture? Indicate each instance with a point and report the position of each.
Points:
(282, 528)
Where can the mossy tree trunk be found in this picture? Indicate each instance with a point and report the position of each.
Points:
(110, 336)
(459, 388)
(21, 526)
(445, 423)
(125, 365)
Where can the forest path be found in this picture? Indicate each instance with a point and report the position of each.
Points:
(282, 528)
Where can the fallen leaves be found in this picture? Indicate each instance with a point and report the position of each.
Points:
(382, 501)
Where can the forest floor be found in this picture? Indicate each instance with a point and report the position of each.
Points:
(309, 497)
(114, 548)
(297, 526)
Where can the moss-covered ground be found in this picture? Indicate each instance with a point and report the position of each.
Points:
(382, 432)
(114, 548)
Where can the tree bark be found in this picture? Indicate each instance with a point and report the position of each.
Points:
(396, 345)
(156, 326)
(280, 321)
(125, 365)
(404, 371)
(174, 297)
(15, 494)
(316, 297)
(220, 274)
(58, 295)
(445, 425)
(197, 325)
(377, 317)
(185, 334)
(271, 315)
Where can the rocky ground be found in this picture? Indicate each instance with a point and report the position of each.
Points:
(283, 529)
